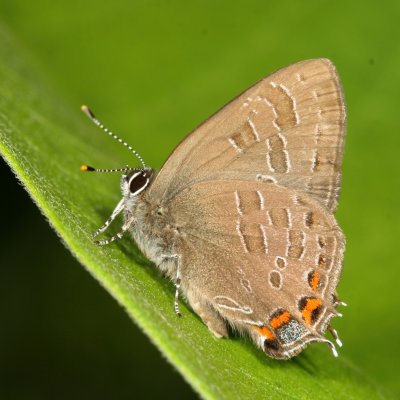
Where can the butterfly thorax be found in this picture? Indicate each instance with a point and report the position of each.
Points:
(152, 229)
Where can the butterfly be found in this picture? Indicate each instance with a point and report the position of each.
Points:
(241, 215)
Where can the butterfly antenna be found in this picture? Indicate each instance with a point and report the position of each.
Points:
(90, 114)
(88, 168)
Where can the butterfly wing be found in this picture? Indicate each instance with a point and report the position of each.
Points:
(247, 247)
(288, 128)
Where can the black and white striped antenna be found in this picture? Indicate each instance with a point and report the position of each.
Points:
(90, 114)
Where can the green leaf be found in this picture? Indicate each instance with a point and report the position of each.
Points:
(44, 141)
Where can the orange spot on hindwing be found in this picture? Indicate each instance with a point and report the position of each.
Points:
(314, 280)
(283, 317)
(270, 340)
(264, 331)
(310, 308)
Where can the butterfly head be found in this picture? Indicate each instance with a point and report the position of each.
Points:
(136, 182)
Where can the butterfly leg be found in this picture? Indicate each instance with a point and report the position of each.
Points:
(120, 206)
(210, 317)
(177, 287)
(177, 257)
(119, 235)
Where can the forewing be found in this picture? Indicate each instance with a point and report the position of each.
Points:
(288, 128)
(256, 250)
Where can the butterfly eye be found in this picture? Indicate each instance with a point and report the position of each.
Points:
(138, 183)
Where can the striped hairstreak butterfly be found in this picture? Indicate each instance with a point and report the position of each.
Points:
(241, 215)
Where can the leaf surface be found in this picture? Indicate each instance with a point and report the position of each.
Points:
(44, 142)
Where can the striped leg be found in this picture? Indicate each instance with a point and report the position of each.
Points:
(177, 281)
(119, 235)
(117, 210)
(177, 287)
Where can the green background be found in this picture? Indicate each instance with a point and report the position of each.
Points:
(153, 71)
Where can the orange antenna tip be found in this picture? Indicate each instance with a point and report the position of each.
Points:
(87, 168)
(87, 111)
